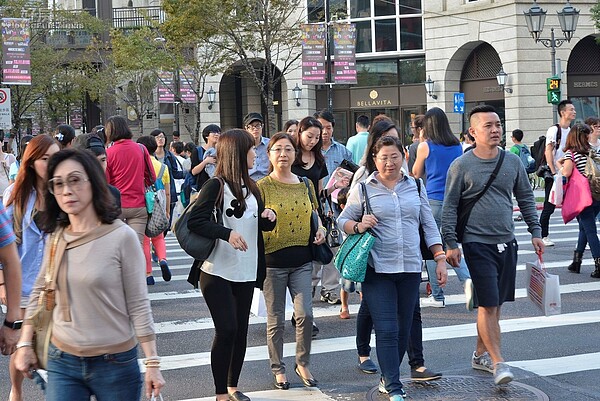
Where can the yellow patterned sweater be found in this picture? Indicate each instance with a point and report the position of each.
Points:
(293, 207)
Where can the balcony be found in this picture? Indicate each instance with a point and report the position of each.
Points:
(136, 17)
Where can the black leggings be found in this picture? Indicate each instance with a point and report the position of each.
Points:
(229, 304)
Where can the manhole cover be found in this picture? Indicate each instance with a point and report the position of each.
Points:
(464, 388)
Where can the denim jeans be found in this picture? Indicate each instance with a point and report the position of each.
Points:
(391, 299)
(462, 272)
(109, 377)
(588, 231)
(364, 327)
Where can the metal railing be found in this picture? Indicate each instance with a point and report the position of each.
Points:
(134, 17)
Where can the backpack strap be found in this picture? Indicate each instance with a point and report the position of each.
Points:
(558, 137)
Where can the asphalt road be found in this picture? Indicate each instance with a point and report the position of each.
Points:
(559, 355)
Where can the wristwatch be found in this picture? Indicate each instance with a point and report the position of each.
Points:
(16, 325)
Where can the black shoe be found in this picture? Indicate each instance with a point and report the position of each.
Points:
(330, 298)
(280, 385)
(293, 320)
(315, 330)
(425, 375)
(308, 382)
(164, 268)
(238, 396)
(367, 366)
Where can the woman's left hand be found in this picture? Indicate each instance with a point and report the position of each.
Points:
(319, 237)
(269, 214)
(154, 382)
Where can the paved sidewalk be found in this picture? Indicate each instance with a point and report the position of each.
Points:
(293, 394)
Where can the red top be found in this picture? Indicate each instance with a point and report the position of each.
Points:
(126, 169)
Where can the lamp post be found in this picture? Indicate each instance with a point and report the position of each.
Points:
(212, 96)
(501, 78)
(567, 17)
(297, 91)
(429, 87)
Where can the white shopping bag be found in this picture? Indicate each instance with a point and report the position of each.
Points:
(543, 289)
(556, 193)
(258, 307)
(177, 210)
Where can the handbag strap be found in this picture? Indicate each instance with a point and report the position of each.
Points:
(363, 189)
(492, 177)
(312, 201)
(147, 167)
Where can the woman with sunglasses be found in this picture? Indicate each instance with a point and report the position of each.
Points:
(102, 310)
(24, 201)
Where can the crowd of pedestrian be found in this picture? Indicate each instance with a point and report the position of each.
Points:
(76, 196)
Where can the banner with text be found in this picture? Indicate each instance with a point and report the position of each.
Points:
(344, 51)
(166, 87)
(186, 86)
(314, 38)
(16, 62)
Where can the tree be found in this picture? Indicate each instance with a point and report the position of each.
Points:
(596, 18)
(263, 34)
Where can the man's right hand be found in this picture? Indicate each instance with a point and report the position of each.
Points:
(453, 257)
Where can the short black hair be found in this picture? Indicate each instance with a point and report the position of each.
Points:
(482, 108)
(190, 147)
(208, 129)
(157, 132)
(176, 133)
(363, 121)
(342, 197)
(149, 142)
(177, 147)
(517, 134)
(102, 199)
(325, 115)
(562, 105)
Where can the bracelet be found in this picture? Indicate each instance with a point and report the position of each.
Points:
(439, 253)
(151, 360)
(439, 257)
(24, 344)
(355, 228)
(322, 228)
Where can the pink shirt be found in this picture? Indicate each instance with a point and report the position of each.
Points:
(126, 169)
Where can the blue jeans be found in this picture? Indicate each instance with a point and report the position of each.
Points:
(364, 326)
(109, 377)
(462, 272)
(391, 299)
(587, 229)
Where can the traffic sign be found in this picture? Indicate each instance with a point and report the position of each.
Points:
(459, 102)
(553, 88)
(5, 110)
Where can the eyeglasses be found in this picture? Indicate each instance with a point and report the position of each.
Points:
(56, 186)
(282, 150)
(386, 160)
(254, 126)
(161, 136)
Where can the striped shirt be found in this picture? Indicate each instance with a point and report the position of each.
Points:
(7, 236)
(578, 159)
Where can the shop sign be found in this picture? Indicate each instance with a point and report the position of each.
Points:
(375, 99)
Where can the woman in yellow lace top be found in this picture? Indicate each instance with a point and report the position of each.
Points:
(289, 259)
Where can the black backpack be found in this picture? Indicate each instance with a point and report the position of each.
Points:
(539, 147)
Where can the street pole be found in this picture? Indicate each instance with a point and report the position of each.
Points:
(329, 66)
(177, 99)
(553, 60)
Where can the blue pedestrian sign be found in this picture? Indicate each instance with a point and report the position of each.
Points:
(459, 102)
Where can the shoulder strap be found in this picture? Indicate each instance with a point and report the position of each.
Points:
(145, 163)
(363, 188)
(312, 201)
(161, 172)
(493, 176)
(220, 196)
(558, 136)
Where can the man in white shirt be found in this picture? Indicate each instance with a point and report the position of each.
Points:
(553, 153)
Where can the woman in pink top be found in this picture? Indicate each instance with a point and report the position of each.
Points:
(128, 169)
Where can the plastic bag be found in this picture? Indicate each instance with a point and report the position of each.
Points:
(543, 289)
(556, 193)
(259, 308)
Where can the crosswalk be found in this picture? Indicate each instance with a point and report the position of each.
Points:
(523, 322)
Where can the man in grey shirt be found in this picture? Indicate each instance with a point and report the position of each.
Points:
(489, 243)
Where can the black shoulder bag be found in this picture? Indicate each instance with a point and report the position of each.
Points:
(465, 206)
(320, 253)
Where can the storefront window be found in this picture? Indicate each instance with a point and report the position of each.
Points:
(586, 106)
(410, 6)
(377, 73)
(315, 10)
(363, 37)
(412, 71)
(360, 8)
(384, 7)
(385, 35)
(411, 33)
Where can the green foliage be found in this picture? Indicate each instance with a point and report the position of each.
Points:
(596, 17)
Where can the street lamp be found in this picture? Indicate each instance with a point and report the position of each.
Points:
(297, 94)
(429, 87)
(501, 78)
(567, 17)
(212, 95)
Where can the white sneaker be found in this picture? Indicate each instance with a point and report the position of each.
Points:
(547, 241)
(469, 291)
(432, 302)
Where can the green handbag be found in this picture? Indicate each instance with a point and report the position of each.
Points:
(353, 255)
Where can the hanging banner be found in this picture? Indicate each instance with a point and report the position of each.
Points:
(186, 86)
(16, 63)
(5, 109)
(344, 51)
(314, 37)
(166, 87)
